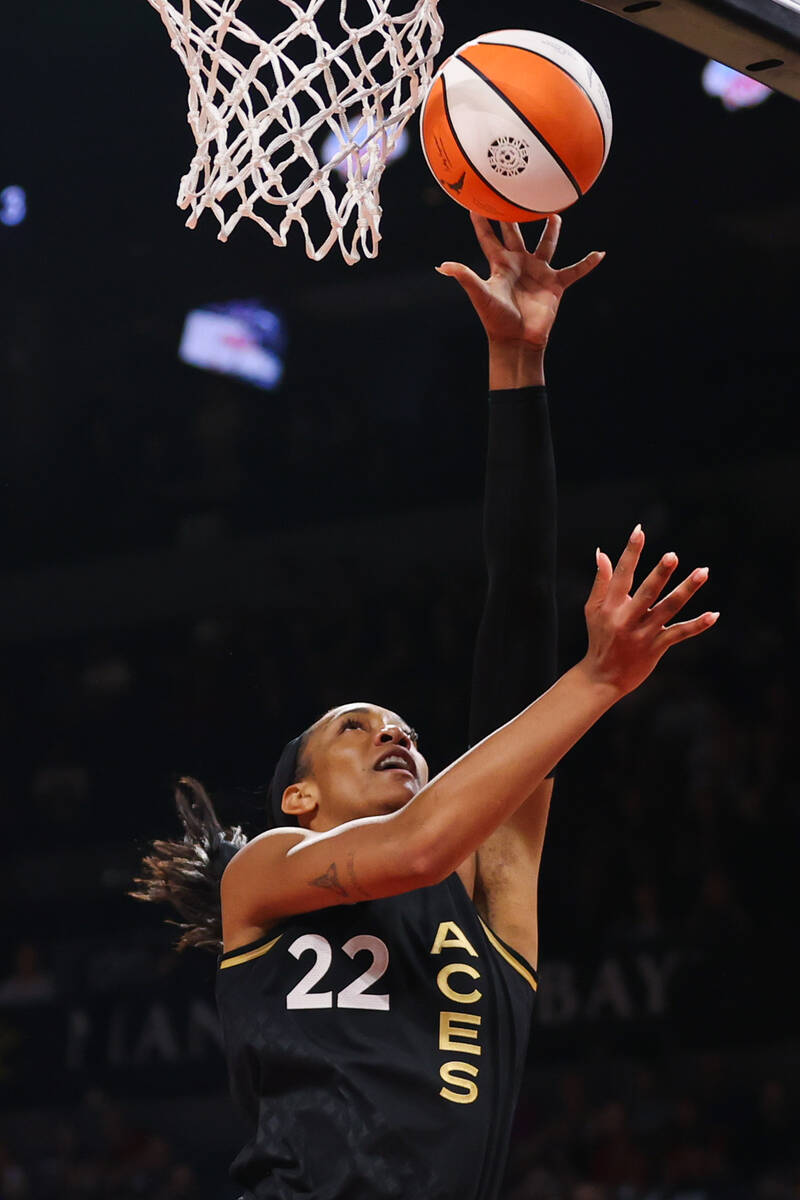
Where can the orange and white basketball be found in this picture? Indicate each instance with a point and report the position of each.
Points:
(516, 125)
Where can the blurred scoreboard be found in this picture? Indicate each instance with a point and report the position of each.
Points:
(759, 38)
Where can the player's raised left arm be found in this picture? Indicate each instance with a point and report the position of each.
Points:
(515, 652)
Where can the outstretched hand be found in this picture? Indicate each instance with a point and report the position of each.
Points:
(628, 634)
(520, 299)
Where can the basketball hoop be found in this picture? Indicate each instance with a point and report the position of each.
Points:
(261, 107)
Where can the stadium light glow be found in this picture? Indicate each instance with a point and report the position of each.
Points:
(13, 205)
(733, 89)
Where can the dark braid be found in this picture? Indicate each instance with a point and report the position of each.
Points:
(186, 874)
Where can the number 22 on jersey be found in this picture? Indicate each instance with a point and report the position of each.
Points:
(355, 995)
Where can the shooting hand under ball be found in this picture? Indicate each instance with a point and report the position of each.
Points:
(518, 303)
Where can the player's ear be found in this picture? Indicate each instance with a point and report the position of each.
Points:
(299, 799)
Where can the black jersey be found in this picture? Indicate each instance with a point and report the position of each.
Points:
(377, 1050)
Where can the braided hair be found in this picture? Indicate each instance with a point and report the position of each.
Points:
(186, 874)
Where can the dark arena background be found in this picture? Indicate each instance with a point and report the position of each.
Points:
(193, 567)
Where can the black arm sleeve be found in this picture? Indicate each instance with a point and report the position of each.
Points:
(515, 654)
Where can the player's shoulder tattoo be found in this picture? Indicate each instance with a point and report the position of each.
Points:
(330, 880)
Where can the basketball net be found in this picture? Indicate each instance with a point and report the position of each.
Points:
(261, 110)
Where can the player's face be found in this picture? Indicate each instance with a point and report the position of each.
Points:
(364, 763)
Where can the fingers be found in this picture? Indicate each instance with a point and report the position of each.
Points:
(549, 239)
(512, 237)
(648, 592)
(622, 579)
(601, 580)
(687, 629)
(486, 236)
(672, 604)
(547, 248)
(644, 603)
(472, 284)
(570, 275)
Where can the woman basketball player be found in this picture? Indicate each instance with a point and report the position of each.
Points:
(378, 941)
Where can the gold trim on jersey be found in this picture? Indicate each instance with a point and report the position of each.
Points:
(508, 956)
(243, 958)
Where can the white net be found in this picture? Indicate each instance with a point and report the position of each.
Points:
(308, 112)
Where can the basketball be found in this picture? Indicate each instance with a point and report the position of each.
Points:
(516, 125)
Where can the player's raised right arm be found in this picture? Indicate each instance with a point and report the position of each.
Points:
(287, 872)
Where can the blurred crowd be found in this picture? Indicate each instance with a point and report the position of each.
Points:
(716, 1127)
(96, 1152)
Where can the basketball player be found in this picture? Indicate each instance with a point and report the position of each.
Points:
(379, 945)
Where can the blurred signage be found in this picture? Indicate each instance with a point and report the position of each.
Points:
(168, 1041)
(168, 1045)
(240, 338)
